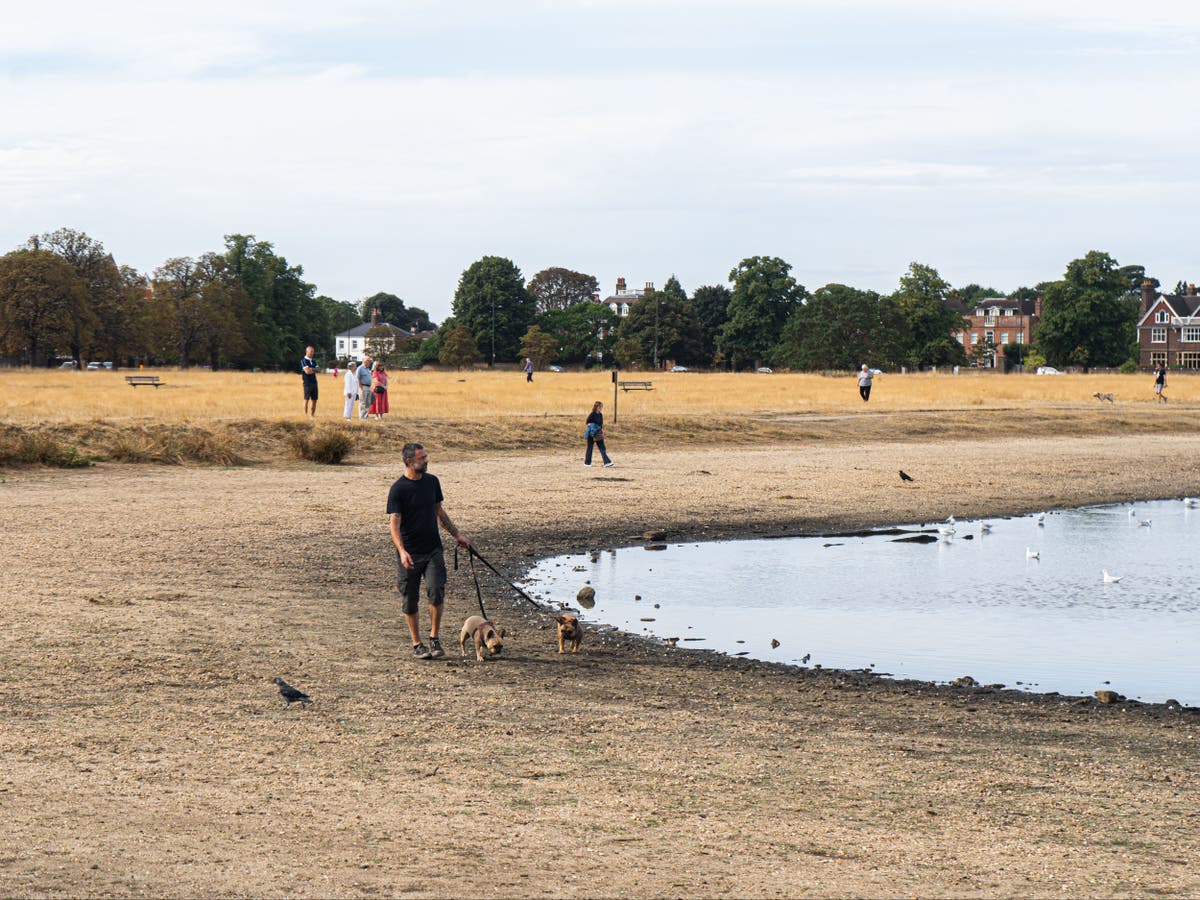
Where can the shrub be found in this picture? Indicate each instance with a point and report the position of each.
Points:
(40, 449)
(328, 446)
(1128, 367)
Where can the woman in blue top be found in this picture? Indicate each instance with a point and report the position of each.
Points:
(595, 435)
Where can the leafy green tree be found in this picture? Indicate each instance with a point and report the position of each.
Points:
(430, 349)
(628, 353)
(558, 288)
(40, 294)
(394, 311)
(192, 306)
(972, 293)
(459, 348)
(287, 316)
(1089, 316)
(931, 322)
(763, 299)
(841, 327)
(581, 331)
(538, 346)
(712, 304)
(341, 316)
(665, 326)
(1025, 293)
(492, 303)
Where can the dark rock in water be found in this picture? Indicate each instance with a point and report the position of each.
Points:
(655, 547)
(655, 535)
(965, 681)
(1108, 696)
(916, 539)
(647, 619)
(774, 643)
(831, 545)
(671, 641)
(968, 537)
(586, 597)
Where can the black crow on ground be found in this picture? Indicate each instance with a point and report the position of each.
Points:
(291, 695)
(904, 476)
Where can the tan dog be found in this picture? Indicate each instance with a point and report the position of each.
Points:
(484, 633)
(570, 631)
(1103, 396)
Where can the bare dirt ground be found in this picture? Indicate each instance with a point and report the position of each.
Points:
(146, 752)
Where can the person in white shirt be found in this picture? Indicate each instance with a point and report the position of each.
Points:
(864, 383)
(351, 390)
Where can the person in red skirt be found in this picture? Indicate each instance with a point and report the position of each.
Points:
(379, 391)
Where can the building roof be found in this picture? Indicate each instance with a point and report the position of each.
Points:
(1022, 307)
(1181, 306)
(362, 329)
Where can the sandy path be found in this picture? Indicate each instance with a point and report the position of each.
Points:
(146, 752)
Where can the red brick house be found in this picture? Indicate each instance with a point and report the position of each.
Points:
(1168, 329)
(994, 324)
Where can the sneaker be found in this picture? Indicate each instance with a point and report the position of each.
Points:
(435, 648)
(589, 465)
(420, 651)
(609, 464)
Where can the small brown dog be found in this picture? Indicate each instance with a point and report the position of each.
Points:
(569, 631)
(1103, 396)
(484, 633)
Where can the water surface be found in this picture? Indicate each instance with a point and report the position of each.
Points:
(971, 604)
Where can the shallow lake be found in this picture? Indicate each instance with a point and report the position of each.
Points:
(972, 603)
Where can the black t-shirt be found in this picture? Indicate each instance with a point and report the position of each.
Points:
(309, 378)
(416, 503)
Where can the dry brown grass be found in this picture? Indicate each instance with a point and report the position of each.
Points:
(223, 418)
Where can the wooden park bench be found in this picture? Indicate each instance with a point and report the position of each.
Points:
(636, 385)
(135, 380)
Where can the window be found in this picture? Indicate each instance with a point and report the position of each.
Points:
(979, 312)
(990, 337)
(1004, 337)
(1020, 337)
(1191, 333)
(1160, 316)
(1010, 312)
(1158, 357)
(974, 337)
(1189, 359)
(959, 336)
(354, 344)
(1158, 335)
(341, 344)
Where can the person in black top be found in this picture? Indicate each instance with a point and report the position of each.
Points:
(595, 435)
(414, 510)
(1160, 382)
(308, 375)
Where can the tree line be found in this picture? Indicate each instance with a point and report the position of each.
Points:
(768, 318)
(246, 306)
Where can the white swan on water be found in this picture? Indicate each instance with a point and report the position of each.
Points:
(1110, 579)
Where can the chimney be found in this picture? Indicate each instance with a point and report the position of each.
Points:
(1147, 297)
(1192, 289)
(1037, 307)
(374, 317)
(620, 285)
(649, 289)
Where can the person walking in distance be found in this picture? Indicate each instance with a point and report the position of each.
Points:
(1160, 382)
(414, 512)
(364, 387)
(308, 375)
(595, 435)
(864, 383)
(350, 389)
(528, 369)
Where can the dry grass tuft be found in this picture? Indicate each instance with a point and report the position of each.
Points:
(32, 448)
(327, 445)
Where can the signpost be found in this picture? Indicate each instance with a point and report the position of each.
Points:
(614, 376)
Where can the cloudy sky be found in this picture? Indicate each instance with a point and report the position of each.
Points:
(386, 145)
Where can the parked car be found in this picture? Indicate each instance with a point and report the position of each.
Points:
(1048, 370)
(69, 364)
(679, 368)
(875, 371)
(553, 368)
(763, 370)
(93, 366)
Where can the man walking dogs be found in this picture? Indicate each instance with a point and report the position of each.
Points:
(414, 511)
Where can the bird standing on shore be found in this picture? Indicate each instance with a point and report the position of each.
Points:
(904, 476)
(1030, 553)
(291, 695)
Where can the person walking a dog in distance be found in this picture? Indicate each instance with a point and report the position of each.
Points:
(864, 383)
(350, 389)
(308, 375)
(595, 435)
(364, 387)
(414, 511)
(528, 369)
(1160, 382)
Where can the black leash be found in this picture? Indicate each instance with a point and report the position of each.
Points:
(474, 577)
(475, 554)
